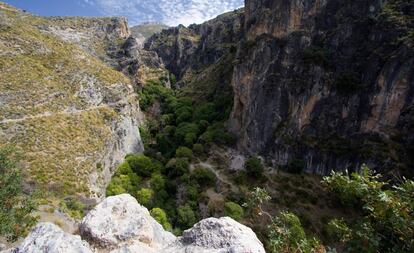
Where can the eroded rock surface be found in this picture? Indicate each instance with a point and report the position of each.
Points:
(120, 225)
(49, 238)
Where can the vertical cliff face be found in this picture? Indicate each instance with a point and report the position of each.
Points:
(188, 51)
(326, 83)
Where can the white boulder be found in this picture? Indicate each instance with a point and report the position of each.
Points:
(49, 238)
(120, 220)
(213, 235)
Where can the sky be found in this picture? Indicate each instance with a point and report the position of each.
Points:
(169, 12)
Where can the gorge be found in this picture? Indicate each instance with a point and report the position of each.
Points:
(194, 121)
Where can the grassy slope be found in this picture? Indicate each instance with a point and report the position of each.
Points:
(40, 78)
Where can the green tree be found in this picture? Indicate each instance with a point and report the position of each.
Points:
(184, 152)
(204, 177)
(140, 164)
(157, 181)
(161, 217)
(254, 167)
(15, 207)
(185, 217)
(145, 197)
(233, 210)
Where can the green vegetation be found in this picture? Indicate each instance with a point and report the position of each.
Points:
(233, 210)
(386, 223)
(254, 167)
(286, 234)
(15, 207)
(160, 216)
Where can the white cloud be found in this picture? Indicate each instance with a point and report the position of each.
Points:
(170, 12)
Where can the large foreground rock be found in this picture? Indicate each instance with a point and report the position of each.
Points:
(119, 220)
(120, 225)
(49, 238)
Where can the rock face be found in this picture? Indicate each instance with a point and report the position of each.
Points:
(186, 51)
(322, 85)
(121, 220)
(318, 84)
(218, 235)
(49, 238)
(71, 116)
(120, 225)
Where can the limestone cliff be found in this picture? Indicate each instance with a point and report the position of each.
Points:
(326, 83)
(72, 118)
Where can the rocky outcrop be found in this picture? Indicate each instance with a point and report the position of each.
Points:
(120, 224)
(325, 85)
(49, 238)
(120, 221)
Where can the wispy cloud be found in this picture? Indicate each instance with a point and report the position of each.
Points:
(170, 12)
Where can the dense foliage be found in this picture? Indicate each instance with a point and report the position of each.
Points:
(387, 221)
(15, 206)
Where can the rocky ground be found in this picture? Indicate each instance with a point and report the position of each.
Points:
(120, 225)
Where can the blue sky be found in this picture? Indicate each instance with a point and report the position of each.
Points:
(170, 12)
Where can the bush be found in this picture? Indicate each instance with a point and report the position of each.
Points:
(184, 152)
(184, 129)
(157, 182)
(185, 217)
(205, 112)
(233, 210)
(178, 167)
(15, 207)
(286, 234)
(386, 225)
(144, 196)
(120, 184)
(254, 167)
(140, 164)
(161, 217)
(204, 177)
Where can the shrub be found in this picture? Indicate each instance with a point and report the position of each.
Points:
(205, 112)
(161, 217)
(157, 182)
(140, 164)
(178, 167)
(286, 234)
(144, 196)
(120, 184)
(185, 217)
(186, 128)
(233, 210)
(184, 152)
(204, 177)
(15, 207)
(386, 224)
(254, 167)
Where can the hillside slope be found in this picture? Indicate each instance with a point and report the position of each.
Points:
(70, 116)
